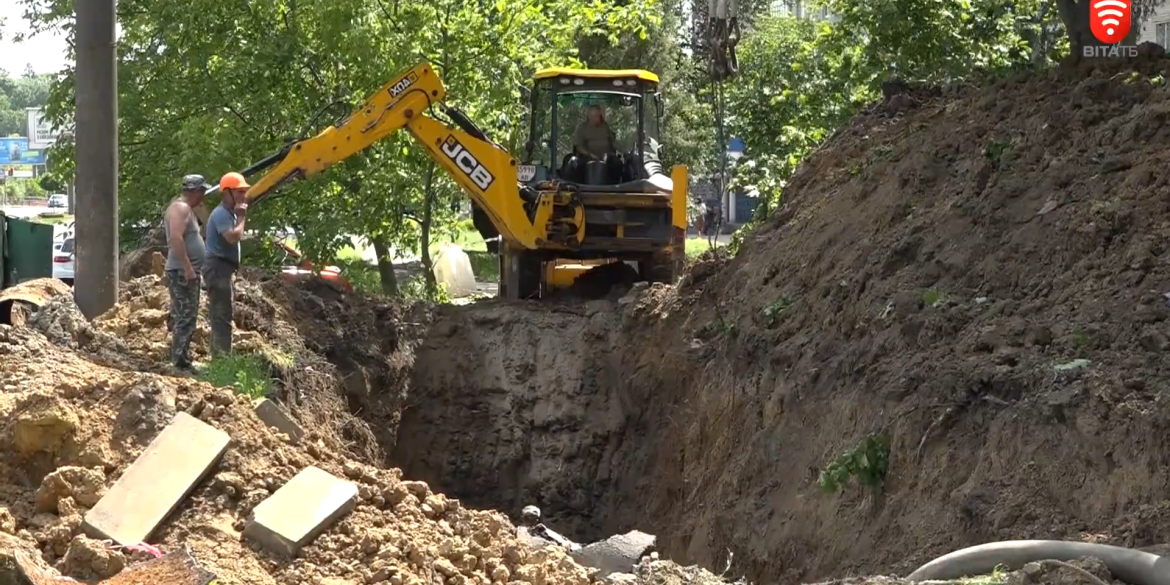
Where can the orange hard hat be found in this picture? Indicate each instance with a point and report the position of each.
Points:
(233, 181)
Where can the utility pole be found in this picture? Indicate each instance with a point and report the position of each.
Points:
(96, 142)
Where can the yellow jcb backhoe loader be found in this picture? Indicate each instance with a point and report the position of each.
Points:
(555, 215)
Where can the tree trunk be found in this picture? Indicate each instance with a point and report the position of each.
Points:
(428, 206)
(1075, 16)
(1039, 41)
(385, 267)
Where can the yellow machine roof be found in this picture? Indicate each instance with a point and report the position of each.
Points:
(596, 73)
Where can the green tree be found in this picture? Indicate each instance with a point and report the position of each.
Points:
(209, 86)
(795, 86)
(28, 91)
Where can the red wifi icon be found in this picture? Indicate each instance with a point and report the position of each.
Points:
(1110, 20)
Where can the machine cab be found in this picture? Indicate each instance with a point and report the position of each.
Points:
(597, 129)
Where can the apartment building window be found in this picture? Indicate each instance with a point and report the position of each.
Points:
(1162, 34)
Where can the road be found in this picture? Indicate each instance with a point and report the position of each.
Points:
(23, 211)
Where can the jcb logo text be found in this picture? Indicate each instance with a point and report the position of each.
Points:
(468, 163)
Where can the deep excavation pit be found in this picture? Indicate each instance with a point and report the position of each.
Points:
(533, 405)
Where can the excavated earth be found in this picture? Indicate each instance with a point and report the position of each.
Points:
(938, 269)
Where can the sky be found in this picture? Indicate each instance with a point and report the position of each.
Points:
(45, 52)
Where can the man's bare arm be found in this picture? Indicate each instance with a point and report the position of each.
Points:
(236, 233)
(177, 221)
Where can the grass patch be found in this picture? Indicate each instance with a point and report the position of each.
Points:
(932, 297)
(696, 246)
(998, 577)
(248, 374)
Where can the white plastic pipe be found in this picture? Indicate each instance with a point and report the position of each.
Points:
(1132, 566)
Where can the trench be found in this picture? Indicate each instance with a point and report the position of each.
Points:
(511, 405)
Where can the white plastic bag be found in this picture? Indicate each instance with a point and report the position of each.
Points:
(452, 268)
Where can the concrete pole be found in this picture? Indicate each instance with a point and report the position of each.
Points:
(71, 195)
(96, 139)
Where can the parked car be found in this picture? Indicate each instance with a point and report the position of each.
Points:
(63, 260)
(58, 200)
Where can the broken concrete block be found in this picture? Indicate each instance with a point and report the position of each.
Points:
(275, 416)
(616, 554)
(154, 485)
(301, 510)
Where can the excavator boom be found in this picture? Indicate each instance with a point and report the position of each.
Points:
(484, 170)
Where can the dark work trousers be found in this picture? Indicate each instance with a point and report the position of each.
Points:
(217, 279)
(184, 309)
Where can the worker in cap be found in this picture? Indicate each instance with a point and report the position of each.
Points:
(185, 256)
(225, 229)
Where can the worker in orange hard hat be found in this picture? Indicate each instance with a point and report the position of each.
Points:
(225, 229)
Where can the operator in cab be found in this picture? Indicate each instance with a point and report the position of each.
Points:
(595, 141)
(225, 229)
(594, 138)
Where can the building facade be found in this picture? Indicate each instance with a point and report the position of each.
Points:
(1156, 27)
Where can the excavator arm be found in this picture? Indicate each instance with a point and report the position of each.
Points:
(483, 169)
(723, 35)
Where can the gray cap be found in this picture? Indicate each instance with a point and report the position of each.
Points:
(193, 182)
(532, 511)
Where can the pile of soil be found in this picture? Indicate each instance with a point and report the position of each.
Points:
(271, 319)
(935, 275)
(72, 426)
(976, 274)
(81, 400)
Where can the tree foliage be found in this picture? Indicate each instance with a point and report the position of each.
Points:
(800, 79)
(30, 90)
(210, 86)
(213, 85)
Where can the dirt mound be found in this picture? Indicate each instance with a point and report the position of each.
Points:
(972, 277)
(72, 426)
(934, 277)
(288, 326)
(82, 400)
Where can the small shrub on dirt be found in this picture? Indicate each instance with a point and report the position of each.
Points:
(415, 289)
(997, 577)
(250, 375)
(869, 462)
(773, 311)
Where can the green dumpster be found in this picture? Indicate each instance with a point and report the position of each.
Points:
(27, 251)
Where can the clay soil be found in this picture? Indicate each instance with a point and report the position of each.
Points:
(78, 407)
(938, 268)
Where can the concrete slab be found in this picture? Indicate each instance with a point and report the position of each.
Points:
(276, 417)
(616, 554)
(300, 511)
(157, 482)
